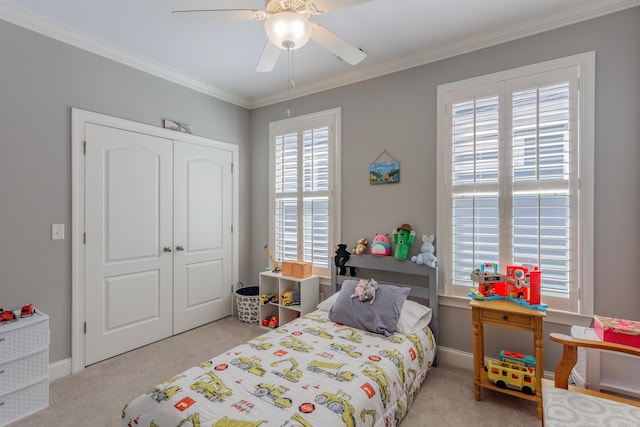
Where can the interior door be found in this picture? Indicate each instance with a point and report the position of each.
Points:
(129, 208)
(202, 235)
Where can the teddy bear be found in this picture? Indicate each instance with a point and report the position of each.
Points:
(341, 258)
(427, 249)
(365, 290)
(360, 247)
(380, 245)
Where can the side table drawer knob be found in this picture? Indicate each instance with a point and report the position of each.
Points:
(505, 317)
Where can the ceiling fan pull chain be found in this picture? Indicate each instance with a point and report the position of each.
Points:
(289, 80)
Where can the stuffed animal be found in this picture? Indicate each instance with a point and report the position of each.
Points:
(342, 256)
(427, 249)
(365, 290)
(403, 236)
(380, 245)
(360, 247)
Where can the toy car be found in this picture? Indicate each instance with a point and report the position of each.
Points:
(6, 316)
(27, 310)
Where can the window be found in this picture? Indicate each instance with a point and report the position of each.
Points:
(515, 153)
(303, 199)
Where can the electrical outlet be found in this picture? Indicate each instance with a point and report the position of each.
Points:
(57, 231)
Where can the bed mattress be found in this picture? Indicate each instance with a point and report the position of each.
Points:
(310, 372)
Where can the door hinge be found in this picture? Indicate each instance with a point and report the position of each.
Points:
(231, 167)
(84, 238)
(231, 228)
(84, 149)
(85, 327)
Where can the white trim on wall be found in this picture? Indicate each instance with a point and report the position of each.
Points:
(492, 37)
(79, 118)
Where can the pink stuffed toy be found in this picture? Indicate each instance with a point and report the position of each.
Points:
(365, 290)
(380, 245)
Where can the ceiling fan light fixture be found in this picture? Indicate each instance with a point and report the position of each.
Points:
(288, 30)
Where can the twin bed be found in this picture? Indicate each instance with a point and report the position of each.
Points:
(317, 370)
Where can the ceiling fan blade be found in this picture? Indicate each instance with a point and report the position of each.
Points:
(329, 5)
(221, 14)
(268, 58)
(336, 45)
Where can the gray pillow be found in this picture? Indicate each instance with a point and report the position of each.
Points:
(381, 317)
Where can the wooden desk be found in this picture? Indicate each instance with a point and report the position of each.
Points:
(506, 314)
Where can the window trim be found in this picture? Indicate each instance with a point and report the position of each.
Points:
(586, 116)
(332, 118)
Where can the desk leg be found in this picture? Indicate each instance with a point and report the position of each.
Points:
(539, 355)
(478, 351)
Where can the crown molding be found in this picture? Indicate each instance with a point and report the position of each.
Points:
(450, 50)
(82, 40)
(53, 29)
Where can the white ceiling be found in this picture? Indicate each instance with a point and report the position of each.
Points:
(219, 58)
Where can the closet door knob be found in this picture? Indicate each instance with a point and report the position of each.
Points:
(167, 249)
(180, 248)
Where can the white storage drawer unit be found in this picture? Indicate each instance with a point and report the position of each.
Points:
(602, 370)
(24, 367)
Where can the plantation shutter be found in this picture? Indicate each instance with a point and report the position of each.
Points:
(302, 193)
(474, 183)
(513, 180)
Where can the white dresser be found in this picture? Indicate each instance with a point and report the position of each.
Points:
(24, 367)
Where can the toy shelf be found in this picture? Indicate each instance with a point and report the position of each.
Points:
(276, 283)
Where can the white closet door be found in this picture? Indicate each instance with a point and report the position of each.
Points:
(202, 235)
(129, 209)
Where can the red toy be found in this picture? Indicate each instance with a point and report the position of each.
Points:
(6, 316)
(27, 310)
(519, 284)
(270, 321)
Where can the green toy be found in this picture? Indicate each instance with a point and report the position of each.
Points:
(403, 237)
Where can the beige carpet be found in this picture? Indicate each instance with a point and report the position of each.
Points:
(95, 397)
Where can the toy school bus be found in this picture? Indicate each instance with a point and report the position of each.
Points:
(518, 358)
(512, 375)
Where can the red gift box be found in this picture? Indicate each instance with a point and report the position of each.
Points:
(618, 331)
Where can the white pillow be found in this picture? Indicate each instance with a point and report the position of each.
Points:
(328, 303)
(413, 317)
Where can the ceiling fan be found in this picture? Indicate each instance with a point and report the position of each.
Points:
(288, 27)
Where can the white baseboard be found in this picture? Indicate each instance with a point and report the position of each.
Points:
(455, 358)
(59, 369)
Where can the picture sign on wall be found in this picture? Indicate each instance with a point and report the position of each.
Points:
(384, 172)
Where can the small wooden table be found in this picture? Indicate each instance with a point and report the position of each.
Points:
(506, 314)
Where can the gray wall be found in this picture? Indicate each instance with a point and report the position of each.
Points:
(397, 112)
(41, 80)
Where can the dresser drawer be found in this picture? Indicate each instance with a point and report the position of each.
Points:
(24, 402)
(23, 371)
(504, 318)
(17, 341)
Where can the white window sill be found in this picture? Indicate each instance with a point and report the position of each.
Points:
(553, 316)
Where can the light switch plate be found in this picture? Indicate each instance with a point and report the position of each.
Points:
(57, 231)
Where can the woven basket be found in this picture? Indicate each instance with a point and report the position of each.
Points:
(248, 303)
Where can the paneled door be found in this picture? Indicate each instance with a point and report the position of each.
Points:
(202, 235)
(158, 245)
(129, 227)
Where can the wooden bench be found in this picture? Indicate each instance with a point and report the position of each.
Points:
(565, 405)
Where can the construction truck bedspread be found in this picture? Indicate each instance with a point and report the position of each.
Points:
(309, 372)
